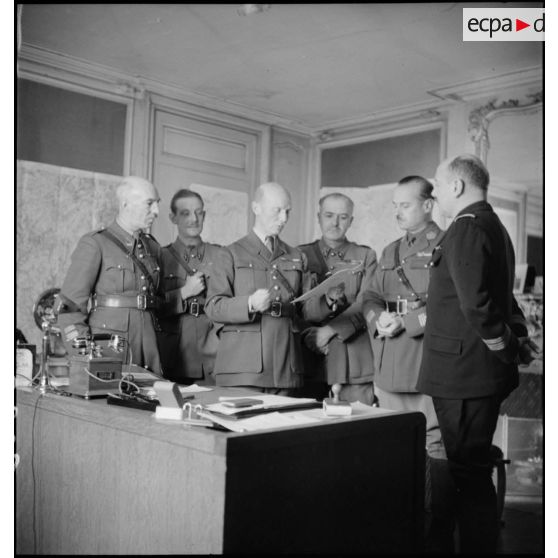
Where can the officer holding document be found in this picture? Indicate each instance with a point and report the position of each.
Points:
(337, 346)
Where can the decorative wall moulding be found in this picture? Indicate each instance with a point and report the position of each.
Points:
(481, 117)
(468, 91)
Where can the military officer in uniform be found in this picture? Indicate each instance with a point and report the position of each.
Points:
(395, 307)
(337, 343)
(475, 337)
(249, 295)
(187, 340)
(112, 285)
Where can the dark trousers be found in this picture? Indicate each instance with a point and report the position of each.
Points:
(468, 427)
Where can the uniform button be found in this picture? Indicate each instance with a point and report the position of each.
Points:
(144, 288)
(141, 255)
(194, 269)
(250, 265)
(277, 298)
(157, 268)
(119, 266)
(276, 287)
(402, 261)
(274, 266)
(274, 276)
(143, 276)
(330, 267)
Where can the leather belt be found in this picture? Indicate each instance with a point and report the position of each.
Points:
(280, 310)
(401, 306)
(139, 302)
(195, 308)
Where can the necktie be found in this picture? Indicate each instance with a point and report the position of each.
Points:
(270, 243)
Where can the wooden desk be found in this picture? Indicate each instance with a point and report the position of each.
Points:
(99, 479)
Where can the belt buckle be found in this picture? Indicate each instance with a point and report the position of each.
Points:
(401, 306)
(195, 309)
(141, 302)
(276, 309)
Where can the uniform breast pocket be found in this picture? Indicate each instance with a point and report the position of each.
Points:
(420, 262)
(119, 275)
(245, 277)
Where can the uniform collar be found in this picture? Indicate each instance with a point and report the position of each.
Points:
(196, 250)
(128, 239)
(481, 205)
(328, 252)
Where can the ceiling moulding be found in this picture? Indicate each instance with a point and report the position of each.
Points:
(424, 111)
(408, 118)
(470, 90)
(49, 66)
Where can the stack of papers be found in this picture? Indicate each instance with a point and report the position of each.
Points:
(263, 420)
(270, 403)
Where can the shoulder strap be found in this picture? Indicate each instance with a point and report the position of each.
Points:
(180, 260)
(285, 283)
(401, 273)
(319, 259)
(135, 259)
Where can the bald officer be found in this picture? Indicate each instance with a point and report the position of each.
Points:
(475, 337)
(250, 294)
(188, 342)
(338, 336)
(112, 285)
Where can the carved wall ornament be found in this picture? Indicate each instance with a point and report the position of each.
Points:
(480, 118)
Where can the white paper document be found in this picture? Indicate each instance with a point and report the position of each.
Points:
(263, 421)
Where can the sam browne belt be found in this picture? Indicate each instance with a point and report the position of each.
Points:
(401, 306)
(139, 302)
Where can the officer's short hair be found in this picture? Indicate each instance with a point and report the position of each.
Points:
(471, 170)
(426, 187)
(183, 193)
(338, 196)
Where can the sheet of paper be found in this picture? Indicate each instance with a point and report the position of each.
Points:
(333, 281)
(263, 421)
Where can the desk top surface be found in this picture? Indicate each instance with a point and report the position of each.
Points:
(143, 423)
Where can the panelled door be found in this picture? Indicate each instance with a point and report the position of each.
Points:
(217, 159)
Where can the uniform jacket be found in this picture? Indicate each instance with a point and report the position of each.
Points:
(470, 342)
(349, 359)
(100, 267)
(255, 349)
(187, 343)
(398, 358)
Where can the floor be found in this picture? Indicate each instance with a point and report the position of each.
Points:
(523, 529)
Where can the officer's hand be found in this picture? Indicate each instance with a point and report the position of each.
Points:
(395, 327)
(528, 350)
(317, 339)
(260, 300)
(324, 335)
(385, 319)
(195, 284)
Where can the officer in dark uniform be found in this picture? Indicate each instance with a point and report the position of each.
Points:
(337, 347)
(475, 337)
(249, 295)
(187, 340)
(395, 307)
(112, 285)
